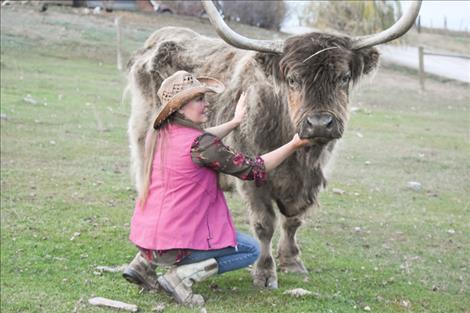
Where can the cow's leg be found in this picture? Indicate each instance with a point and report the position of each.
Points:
(288, 250)
(263, 221)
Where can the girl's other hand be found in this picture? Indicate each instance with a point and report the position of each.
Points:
(240, 109)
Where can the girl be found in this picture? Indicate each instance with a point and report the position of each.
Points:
(181, 216)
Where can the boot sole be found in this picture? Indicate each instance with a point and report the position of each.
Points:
(135, 278)
(169, 289)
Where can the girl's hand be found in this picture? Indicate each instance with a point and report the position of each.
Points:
(240, 109)
(298, 142)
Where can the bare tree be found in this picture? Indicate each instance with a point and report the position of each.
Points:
(265, 14)
(190, 8)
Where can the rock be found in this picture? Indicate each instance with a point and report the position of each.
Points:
(112, 269)
(30, 99)
(414, 185)
(405, 304)
(75, 235)
(338, 191)
(160, 307)
(367, 308)
(297, 292)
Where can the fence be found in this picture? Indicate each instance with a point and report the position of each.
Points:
(422, 53)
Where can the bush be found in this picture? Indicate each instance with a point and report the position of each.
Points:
(353, 17)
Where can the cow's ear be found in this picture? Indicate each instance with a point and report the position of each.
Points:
(370, 58)
(166, 59)
(269, 63)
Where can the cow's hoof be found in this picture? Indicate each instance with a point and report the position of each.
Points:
(265, 279)
(294, 266)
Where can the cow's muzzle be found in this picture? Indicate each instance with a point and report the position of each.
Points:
(320, 126)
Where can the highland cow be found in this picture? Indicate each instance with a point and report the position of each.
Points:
(298, 85)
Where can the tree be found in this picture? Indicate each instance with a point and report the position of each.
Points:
(265, 14)
(352, 17)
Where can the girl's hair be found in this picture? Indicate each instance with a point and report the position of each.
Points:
(149, 151)
(150, 147)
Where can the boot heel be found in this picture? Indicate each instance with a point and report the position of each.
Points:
(141, 273)
(166, 285)
(133, 277)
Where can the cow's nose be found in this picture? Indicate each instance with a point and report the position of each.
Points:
(320, 125)
(322, 121)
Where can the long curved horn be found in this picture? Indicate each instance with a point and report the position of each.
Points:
(396, 30)
(235, 39)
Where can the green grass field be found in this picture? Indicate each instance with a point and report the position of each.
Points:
(67, 198)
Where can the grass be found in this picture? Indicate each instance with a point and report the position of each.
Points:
(378, 245)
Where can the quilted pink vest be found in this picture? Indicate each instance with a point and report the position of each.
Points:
(185, 208)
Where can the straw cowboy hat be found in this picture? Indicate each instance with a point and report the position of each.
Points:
(181, 87)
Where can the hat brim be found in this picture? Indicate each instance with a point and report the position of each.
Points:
(208, 85)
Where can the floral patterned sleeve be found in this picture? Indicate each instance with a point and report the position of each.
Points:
(208, 150)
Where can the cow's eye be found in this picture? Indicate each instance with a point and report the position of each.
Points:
(345, 79)
(293, 83)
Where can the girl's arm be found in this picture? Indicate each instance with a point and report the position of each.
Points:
(274, 158)
(224, 129)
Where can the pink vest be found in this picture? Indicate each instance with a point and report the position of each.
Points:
(185, 208)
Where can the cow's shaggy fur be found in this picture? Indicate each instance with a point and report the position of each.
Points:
(282, 91)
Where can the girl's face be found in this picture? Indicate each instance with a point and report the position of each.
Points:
(195, 110)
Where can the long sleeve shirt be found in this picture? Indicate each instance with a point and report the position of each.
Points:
(208, 150)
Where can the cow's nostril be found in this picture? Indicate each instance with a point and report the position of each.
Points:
(328, 121)
(311, 121)
(321, 121)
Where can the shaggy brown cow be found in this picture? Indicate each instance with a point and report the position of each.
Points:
(300, 85)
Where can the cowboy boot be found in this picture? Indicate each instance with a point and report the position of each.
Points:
(179, 280)
(142, 273)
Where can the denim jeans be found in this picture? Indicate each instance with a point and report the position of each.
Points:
(230, 258)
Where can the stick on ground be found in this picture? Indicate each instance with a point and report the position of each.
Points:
(98, 301)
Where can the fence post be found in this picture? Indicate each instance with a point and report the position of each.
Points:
(421, 67)
(117, 22)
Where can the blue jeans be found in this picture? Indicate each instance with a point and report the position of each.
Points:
(230, 258)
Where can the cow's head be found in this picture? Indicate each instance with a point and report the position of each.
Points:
(317, 70)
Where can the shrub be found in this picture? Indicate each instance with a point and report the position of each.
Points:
(353, 17)
(265, 14)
